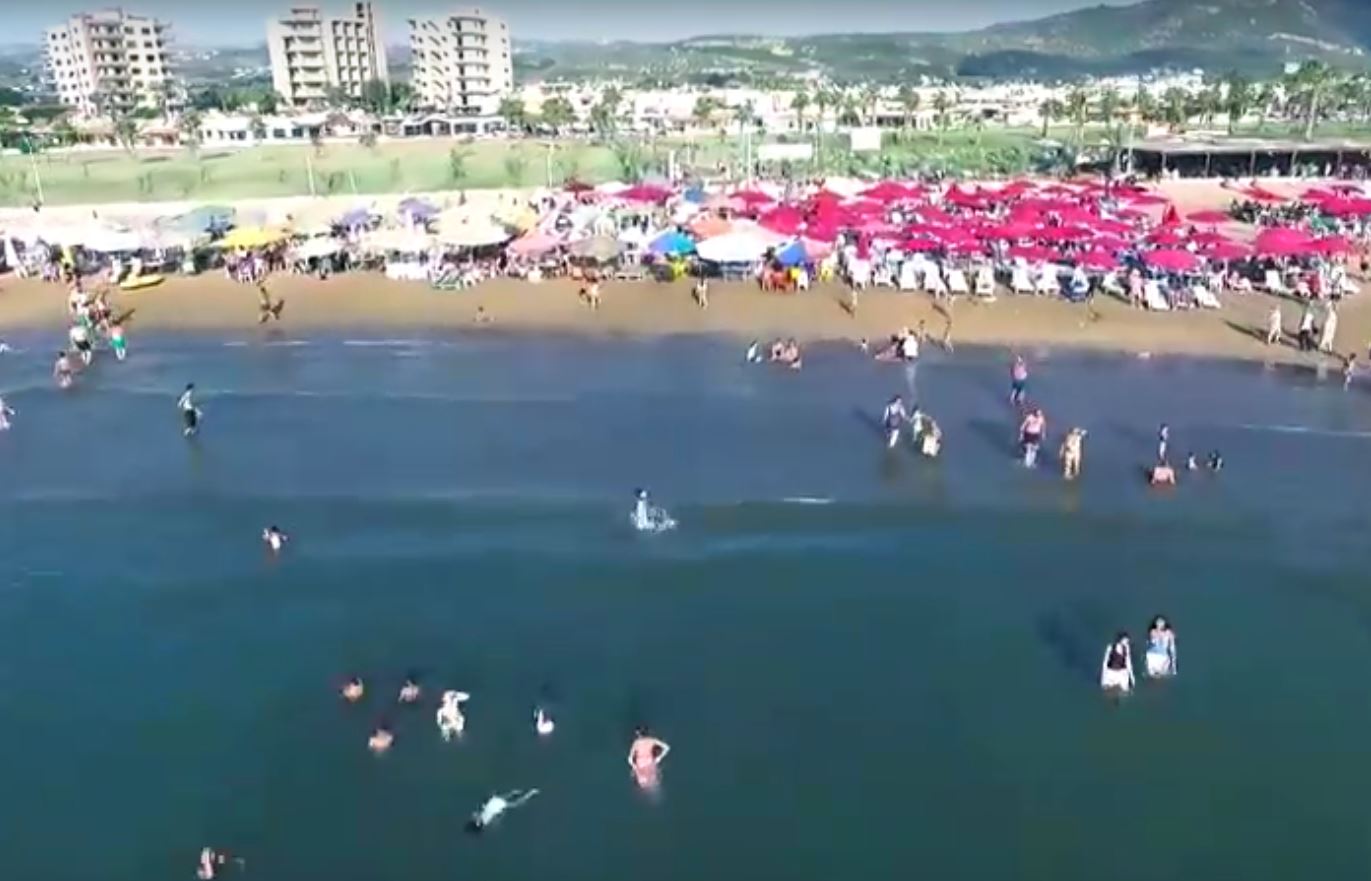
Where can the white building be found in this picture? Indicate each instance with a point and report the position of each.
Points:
(110, 60)
(461, 61)
(312, 53)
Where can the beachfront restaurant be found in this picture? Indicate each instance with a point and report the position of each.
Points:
(1245, 157)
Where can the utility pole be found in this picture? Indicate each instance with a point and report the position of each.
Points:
(33, 164)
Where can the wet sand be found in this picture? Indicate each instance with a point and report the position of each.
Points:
(368, 302)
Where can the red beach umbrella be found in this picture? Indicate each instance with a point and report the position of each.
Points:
(1110, 243)
(1284, 242)
(1340, 207)
(1035, 253)
(752, 197)
(1208, 237)
(888, 191)
(1097, 260)
(784, 219)
(1168, 238)
(1227, 251)
(1332, 245)
(646, 193)
(1171, 260)
(1209, 217)
(915, 245)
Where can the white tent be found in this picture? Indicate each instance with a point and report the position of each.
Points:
(734, 247)
(476, 234)
(405, 241)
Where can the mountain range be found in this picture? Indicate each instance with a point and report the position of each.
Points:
(1255, 36)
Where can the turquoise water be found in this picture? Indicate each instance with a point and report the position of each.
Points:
(897, 682)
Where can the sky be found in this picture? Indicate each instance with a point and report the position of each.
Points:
(243, 22)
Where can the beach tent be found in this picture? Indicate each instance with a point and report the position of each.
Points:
(601, 249)
(251, 237)
(735, 247)
(672, 242)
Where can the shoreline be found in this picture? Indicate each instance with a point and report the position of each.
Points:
(367, 303)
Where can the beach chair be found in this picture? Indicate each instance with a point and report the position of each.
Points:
(1204, 298)
(802, 280)
(1110, 284)
(909, 276)
(957, 283)
(1274, 284)
(1021, 282)
(859, 274)
(1153, 299)
(1347, 287)
(933, 280)
(985, 284)
(630, 272)
(1047, 280)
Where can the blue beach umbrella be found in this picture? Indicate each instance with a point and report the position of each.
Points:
(792, 254)
(694, 195)
(672, 243)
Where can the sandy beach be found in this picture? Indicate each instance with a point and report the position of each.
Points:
(368, 301)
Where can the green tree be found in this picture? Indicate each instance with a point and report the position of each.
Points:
(703, 111)
(558, 113)
(1237, 101)
(1109, 104)
(457, 159)
(1049, 111)
(257, 127)
(870, 99)
(630, 159)
(909, 105)
(516, 165)
(367, 139)
(1078, 110)
(942, 110)
(745, 115)
(1176, 108)
(1310, 85)
(376, 96)
(800, 103)
(514, 113)
(126, 131)
(188, 127)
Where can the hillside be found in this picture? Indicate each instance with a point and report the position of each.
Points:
(1253, 35)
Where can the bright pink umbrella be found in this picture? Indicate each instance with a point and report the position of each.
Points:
(1340, 207)
(1284, 242)
(1260, 194)
(785, 219)
(1097, 260)
(752, 197)
(1035, 253)
(646, 193)
(1208, 237)
(929, 214)
(1062, 233)
(1171, 260)
(821, 232)
(914, 245)
(1227, 251)
(534, 243)
(815, 249)
(1334, 245)
(1168, 238)
(1113, 227)
(965, 248)
(1316, 194)
(1109, 243)
(1209, 217)
(888, 191)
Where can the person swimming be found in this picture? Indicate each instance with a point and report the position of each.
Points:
(496, 806)
(381, 739)
(1031, 432)
(1161, 649)
(648, 518)
(1116, 671)
(1191, 463)
(353, 690)
(542, 722)
(754, 353)
(410, 691)
(211, 861)
(274, 538)
(451, 722)
(645, 757)
(1163, 441)
(1215, 461)
(894, 418)
(190, 414)
(80, 340)
(6, 411)
(1162, 474)
(928, 437)
(1072, 453)
(62, 370)
(1018, 381)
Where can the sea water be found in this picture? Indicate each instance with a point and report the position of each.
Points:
(868, 664)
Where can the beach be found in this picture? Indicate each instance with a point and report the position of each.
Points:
(863, 661)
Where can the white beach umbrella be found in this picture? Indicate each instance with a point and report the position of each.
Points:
(318, 247)
(477, 234)
(734, 247)
(110, 241)
(405, 241)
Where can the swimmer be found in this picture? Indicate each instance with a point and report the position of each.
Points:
(6, 411)
(1161, 649)
(894, 418)
(754, 353)
(62, 370)
(1072, 452)
(381, 739)
(190, 414)
(451, 722)
(1349, 370)
(645, 757)
(410, 692)
(353, 690)
(542, 722)
(1116, 671)
(1031, 432)
(1163, 439)
(274, 538)
(1162, 474)
(4, 347)
(1018, 381)
(648, 518)
(266, 309)
(1215, 461)
(211, 861)
(118, 342)
(80, 340)
(1191, 464)
(908, 347)
(864, 346)
(497, 805)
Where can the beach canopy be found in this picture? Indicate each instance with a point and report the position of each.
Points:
(736, 247)
(672, 242)
(1171, 260)
(251, 237)
(601, 249)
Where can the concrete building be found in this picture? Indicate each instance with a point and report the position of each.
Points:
(461, 61)
(100, 62)
(312, 53)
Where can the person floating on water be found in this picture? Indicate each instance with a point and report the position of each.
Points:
(1163, 441)
(62, 370)
(190, 414)
(80, 341)
(1191, 463)
(894, 418)
(1162, 474)
(274, 538)
(1349, 370)
(353, 690)
(754, 353)
(497, 805)
(451, 722)
(381, 739)
(1031, 433)
(1161, 649)
(213, 861)
(645, 757)
(6, 411)
(1215, 461)
(1072, 453)
(1116, 671)
(928, 437)
(542, 722)
(266, 309)
(1018, 381)
(646, 517)
(410, 691)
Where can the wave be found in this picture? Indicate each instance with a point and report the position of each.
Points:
(1306, 430)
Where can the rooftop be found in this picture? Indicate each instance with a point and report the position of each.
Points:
(1184, 146)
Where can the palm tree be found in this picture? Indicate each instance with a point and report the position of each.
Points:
(942, 106)
(1050, 111)
(800, 103)
(1311, 84)
(1264, 98)
(126, 131)
(1145, 104)
(189, 128)
(703, 111)
(1078, 109)
(871, 100)
(1238, 100)
(745, 114)
(909, 105)
(1176, 108)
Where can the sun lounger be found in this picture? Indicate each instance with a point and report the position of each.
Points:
(1274, 284)
(1110, 284)
(909, 276)
(957, 283)
(1047, 281)
(1204, 298)
(985, 283)
(1153, 299)
(933, 279)
(1021, 282)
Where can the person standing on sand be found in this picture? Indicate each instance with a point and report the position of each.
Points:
(1274, 329)
(266, 309)
(701, 293)
(1306, 331)
(1329, 330)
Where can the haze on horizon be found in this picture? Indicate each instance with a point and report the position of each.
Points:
(243, 23)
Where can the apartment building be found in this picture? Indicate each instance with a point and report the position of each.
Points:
(312, 53)
(108, 61)
(461, 61)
